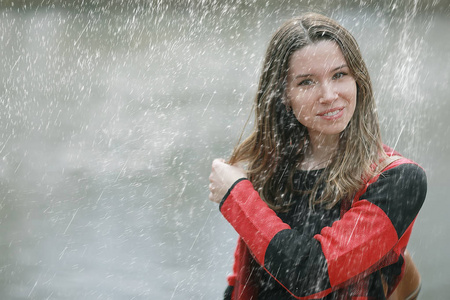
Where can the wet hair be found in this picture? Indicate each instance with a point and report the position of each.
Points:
(276, 147)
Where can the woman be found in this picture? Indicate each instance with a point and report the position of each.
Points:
(322, 210)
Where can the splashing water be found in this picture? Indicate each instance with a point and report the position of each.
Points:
(113, 110)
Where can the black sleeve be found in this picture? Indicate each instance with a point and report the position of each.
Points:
(400, 193)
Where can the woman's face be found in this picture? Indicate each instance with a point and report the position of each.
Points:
(321, 89)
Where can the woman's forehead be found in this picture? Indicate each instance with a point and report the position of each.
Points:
(318, 57)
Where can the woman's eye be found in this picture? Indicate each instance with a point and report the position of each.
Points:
(306, 82)
(339, 75)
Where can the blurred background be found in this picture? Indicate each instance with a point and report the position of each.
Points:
(112, 111)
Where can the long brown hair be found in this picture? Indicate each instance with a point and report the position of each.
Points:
(277, 144)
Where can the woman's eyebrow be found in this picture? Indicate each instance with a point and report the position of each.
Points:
(310, 74)
(303, 75)
(340, 67)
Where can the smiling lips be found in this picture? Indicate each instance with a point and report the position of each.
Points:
(332, 114)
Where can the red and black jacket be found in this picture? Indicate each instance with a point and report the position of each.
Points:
(343, 260)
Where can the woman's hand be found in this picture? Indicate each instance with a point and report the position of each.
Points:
(222, 178)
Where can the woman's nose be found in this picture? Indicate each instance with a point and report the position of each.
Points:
(328, 93)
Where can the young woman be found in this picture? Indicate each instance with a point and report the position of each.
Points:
(322, 209)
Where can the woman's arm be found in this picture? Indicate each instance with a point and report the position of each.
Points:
(377, 225)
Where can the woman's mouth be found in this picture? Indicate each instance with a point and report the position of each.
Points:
(332, 114)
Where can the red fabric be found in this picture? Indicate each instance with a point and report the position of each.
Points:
(249, 215)
(241, 278)
(347, 242)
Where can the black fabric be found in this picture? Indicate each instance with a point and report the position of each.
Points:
(376, 290)
(304, 262)
(302, 268)
(400, 193)
(228, 293)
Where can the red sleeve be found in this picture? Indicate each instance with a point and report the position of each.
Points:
(255, 222)
(357, 242)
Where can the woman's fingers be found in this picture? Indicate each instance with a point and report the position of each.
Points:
(218, 180)
(222, 178)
